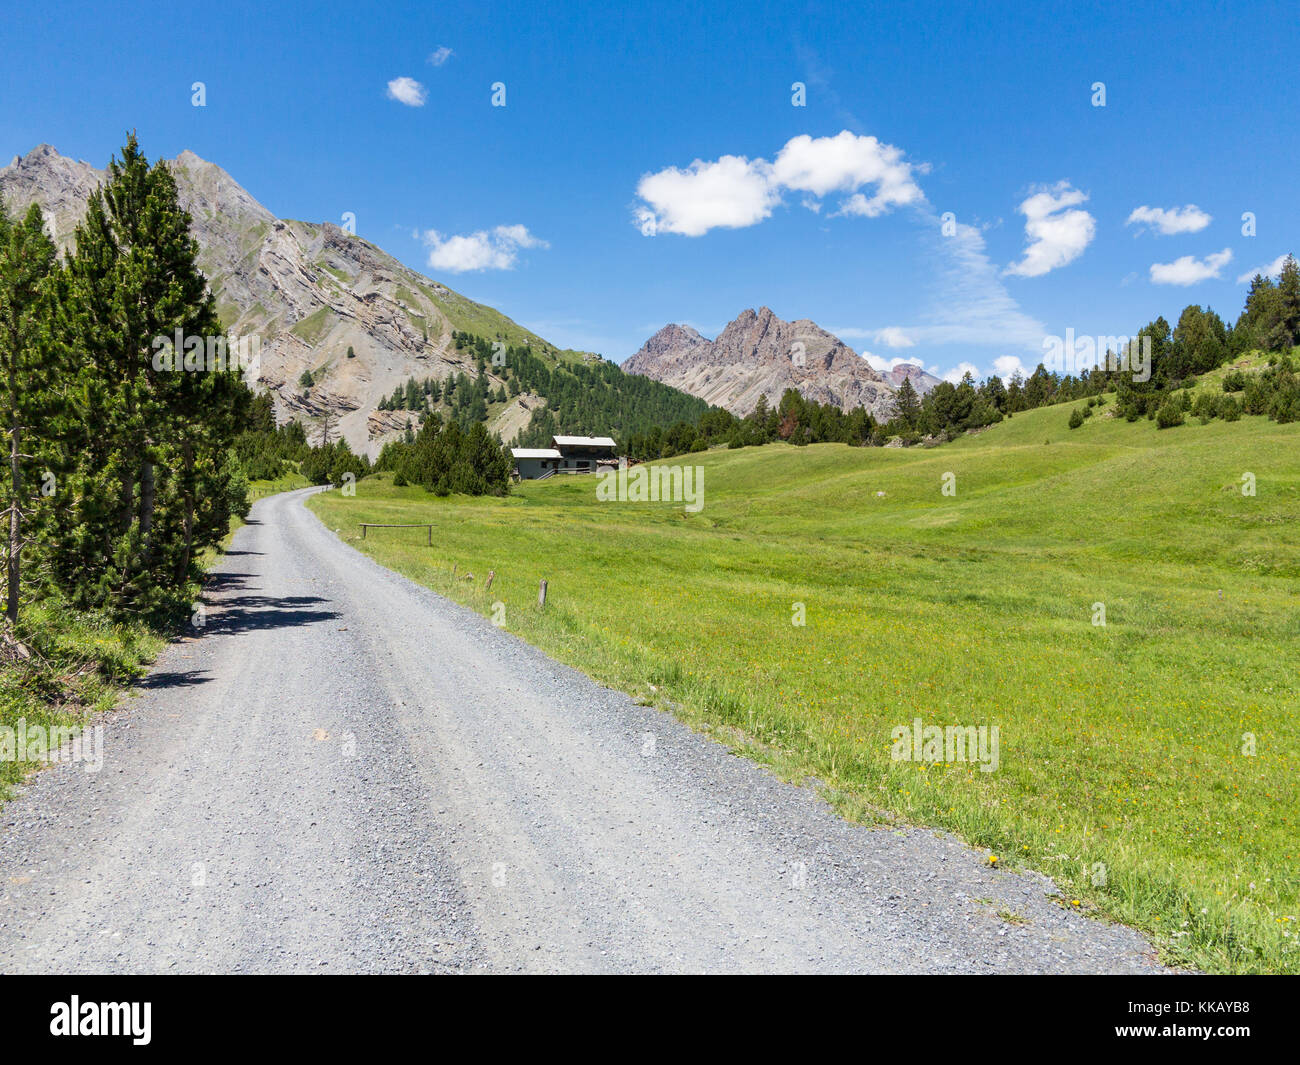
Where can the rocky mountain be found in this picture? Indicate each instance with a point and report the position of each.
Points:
(309, 293)
(922, 381)
(760, 355)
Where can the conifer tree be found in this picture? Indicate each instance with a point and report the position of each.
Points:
(28, 380)
(152, 479)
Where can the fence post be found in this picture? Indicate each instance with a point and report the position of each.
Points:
(541, 595)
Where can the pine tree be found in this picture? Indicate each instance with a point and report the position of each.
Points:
(152, 480)
(28, 378)
(905, 399)
(1284, 332)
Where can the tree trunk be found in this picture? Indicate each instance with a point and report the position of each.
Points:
(146, 506)
(188, 492)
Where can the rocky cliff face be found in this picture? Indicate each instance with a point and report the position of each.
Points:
(760, 355)
(308, 292)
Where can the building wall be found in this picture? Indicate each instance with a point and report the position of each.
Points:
(530, 469)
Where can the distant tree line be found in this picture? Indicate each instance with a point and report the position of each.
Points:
(1201, 342)
(266, 452)
(444, 458)
(582, 399)
(464, 398)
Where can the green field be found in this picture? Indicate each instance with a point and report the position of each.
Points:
(1122, 767)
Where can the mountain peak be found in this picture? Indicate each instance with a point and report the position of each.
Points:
(760, 354)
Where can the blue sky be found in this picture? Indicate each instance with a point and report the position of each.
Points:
(650, 168)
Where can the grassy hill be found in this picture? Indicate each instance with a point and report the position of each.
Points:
(1123, 770)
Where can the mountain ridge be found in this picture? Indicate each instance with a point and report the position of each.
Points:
(760, 354)
(310, 292)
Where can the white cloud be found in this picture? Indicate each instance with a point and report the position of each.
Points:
(882, 365)
(844, 163)
(731, 193)
(440, 55)
(495, 249)
(1057, 234)
(1188, 270)
(407, 91)
(894, 337)
(1270, 270)
(1007, 366)
(1169, 221)
(959, 371)
(734, 191)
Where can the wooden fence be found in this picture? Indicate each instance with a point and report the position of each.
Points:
(417, 525)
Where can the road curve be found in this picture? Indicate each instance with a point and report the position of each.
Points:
(345, 772)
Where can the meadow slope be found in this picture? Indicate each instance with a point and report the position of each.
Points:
(1125, 766)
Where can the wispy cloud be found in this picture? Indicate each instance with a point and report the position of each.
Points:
(1057, 230)
(1188, 269)
(407, 91)
(894, 337)
(1169, 221)
(487, 249)
(971, 304)
(440, 55)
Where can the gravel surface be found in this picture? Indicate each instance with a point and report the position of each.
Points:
(346, 772)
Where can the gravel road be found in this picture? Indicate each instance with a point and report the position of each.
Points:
(345, 772)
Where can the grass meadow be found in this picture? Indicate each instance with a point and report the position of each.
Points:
(1148, 764)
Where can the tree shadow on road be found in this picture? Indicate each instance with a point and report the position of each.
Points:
(248, 613)
(172, 679)
(231, 610)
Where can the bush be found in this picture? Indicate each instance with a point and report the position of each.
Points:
(1076, 418)
(1256, 397)
(1235, 381)
(1169, 414)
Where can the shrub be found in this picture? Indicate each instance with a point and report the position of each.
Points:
(1169, 414)
(1076, 418)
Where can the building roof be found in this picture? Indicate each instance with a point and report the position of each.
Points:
(534, 453)
(582, 441)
